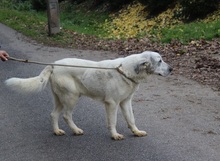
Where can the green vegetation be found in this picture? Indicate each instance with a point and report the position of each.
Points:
(73, 21)
(28, 22)
(131, 21)
(83, 21)
(194, 30)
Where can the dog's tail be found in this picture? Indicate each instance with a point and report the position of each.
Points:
(30, 85)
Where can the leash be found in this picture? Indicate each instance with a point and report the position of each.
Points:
(75, 66)
(53, 64)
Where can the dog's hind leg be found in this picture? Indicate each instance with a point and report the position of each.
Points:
(69, 103)
(55, 116)
(127, 112)
(111, 111)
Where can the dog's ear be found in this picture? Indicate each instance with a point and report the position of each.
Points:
(142, 65)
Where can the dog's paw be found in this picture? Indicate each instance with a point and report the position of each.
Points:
(117, 137)
(140, 133)
(78, 131)
(59, 132)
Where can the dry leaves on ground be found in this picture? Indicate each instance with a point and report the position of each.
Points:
(198, 60)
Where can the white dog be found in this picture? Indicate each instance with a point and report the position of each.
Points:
(115, 88)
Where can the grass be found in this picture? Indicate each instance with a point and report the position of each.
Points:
(75, 20)
(194, 30)
(29, 23)
(83, 23)
(34, 24)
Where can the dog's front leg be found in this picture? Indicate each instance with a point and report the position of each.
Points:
(128, 114)
(111, 111)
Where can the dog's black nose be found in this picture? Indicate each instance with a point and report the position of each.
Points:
(170, 69)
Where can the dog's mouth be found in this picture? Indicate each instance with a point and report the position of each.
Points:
(164, 74)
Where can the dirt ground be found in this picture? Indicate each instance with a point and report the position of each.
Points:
(197, 60)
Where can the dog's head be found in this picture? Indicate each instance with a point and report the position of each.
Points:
(152, 63)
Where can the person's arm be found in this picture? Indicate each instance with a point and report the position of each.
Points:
(4, 55)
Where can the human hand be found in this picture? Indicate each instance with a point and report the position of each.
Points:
(3, 55)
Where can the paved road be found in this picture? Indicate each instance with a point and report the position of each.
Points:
(182, 118)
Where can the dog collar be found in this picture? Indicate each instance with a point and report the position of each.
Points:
(122, 73)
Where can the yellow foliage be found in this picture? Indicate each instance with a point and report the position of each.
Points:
(166, 18)
(128, 23)
(213, 16)
(131, 21)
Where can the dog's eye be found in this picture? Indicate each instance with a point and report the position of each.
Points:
(159, 62)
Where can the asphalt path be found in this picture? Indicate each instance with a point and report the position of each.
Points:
(182, 117)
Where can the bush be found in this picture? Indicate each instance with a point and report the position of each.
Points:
(21, 5)
(6, 4)
(155, 7)
(76, 1)
(39, 5)
(193, 9)
(116, 5)
(25, 5)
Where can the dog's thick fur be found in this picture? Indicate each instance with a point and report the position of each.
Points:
(115, 89)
